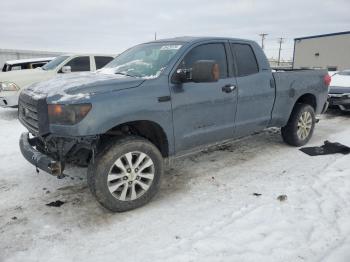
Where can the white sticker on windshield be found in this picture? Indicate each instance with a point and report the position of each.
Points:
(170, 47)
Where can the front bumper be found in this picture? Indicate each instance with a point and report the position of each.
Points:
(38, 159)
(9, 98)
(340, 100)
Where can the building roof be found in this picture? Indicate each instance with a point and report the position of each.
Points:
(325, 35)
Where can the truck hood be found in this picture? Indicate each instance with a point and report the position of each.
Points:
(18, 75)
(76, 86)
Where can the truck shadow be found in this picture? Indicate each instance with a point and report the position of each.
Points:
(332, 113)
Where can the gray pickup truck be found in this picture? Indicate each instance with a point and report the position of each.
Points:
(158, 100)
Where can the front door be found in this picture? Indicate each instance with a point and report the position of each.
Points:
(203, 113)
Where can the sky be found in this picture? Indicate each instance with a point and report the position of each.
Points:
(110, 26)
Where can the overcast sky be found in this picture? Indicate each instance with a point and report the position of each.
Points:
(110, 26)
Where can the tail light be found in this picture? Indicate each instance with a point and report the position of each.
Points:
(327, 80)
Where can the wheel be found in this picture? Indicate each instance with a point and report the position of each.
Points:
(300, 126)
(126, 174)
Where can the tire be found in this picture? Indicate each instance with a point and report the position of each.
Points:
(294, 135)
(119, 186)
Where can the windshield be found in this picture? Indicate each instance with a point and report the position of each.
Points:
(147, 60)
(54, 63)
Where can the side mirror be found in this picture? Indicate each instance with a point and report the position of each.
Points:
(205, 71)
(181, 76)
(66, 69)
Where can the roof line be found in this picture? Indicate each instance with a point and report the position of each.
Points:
(324, 35)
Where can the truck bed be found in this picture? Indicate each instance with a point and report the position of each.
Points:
(289, 87)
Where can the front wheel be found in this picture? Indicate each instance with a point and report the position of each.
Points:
(300, 126)
(126, 175)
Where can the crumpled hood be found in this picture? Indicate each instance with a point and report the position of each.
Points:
(73, 86)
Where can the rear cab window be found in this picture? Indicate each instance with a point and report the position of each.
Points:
(210, 51)
(101, 61)
(246, 61)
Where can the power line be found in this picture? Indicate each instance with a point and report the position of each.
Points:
(263, 35)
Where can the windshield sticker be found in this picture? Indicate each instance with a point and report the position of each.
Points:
(170, 47)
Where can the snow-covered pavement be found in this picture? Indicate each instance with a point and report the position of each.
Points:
(206, 209)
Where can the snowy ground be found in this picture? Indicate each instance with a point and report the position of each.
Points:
(205, 211)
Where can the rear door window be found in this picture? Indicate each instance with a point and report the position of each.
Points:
(79, 64)
(245, 59)
(101, 61)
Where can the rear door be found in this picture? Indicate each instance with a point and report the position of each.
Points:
(255, 88)
(202, 112)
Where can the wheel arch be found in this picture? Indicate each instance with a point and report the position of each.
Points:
(308, 99)
(147, 129)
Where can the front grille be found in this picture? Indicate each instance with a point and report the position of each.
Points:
(33, 114)
(28, 114)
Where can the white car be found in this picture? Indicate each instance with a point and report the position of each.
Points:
(339, 90)
(12, 82)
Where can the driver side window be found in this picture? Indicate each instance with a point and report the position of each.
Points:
(215, 51)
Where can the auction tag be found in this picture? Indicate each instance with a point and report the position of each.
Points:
(170, 47)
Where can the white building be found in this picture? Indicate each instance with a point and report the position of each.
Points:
(330, 51)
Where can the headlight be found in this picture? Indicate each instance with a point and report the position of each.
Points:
(8, 86)
(67, 114)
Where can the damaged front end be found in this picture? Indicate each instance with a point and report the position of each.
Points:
(51, 153)
(45, 150)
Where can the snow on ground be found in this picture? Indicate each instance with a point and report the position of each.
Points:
(205, 211)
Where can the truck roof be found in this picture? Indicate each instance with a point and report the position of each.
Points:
(85, 54)
(189, 39)
(28, 60)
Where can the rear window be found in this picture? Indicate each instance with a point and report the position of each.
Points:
(101, 61)
(245, 60)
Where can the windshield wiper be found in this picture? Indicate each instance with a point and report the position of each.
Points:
(125, 74)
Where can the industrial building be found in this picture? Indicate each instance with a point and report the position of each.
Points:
(329, 51)
(12, 54)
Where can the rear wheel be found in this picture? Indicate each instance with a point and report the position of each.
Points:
(126, 175)
(300, 126)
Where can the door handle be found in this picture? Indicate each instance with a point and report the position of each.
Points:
(228, 88)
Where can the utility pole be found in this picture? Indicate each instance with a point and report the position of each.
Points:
(155, 35)
(263, 35)
(280, 41)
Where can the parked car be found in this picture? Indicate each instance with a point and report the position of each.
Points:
(160, 100)
(339, 90)
(12, 82)
(22, 64)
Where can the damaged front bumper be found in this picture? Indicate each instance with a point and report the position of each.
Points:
(38, 159)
